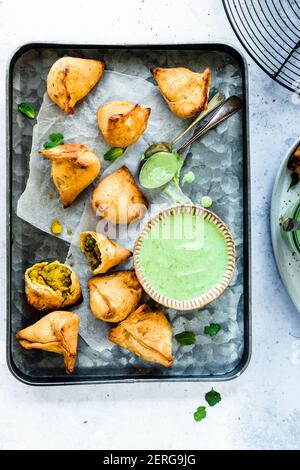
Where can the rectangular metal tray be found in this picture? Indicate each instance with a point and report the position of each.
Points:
(37, 367)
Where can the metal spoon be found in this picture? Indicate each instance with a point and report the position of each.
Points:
(227, 109)
(216, 101)
(291, 225)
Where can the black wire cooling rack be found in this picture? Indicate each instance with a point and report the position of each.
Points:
(270, 32)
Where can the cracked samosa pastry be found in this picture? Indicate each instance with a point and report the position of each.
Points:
(71, 78)
(147, 333)
(186, 92)
(118, 199)
(49, 286)
(101, 252)
(56, 332)
(73, 168)
(122, 123)
(114, 296)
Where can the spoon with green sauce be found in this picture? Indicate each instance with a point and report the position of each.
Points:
(158, 170)
(217, 99)
(161, 166)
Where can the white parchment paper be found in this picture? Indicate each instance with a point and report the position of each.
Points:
(163, 126)
(39, 204)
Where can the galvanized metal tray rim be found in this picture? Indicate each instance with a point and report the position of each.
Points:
(18, 374)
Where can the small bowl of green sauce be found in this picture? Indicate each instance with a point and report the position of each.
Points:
(184, 257)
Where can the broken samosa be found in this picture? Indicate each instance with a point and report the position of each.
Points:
(56, 332)
(185, 91)
(101, 252)
(122, 123)
(50, 286)
(114, 296)
(118, 199)
(71, 78)
(73, 168)
(147, 333)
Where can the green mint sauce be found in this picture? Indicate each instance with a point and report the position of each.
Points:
(158, 170)
(184, 256)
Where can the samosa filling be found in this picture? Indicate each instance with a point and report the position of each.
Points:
(56, 276)
(92, 252)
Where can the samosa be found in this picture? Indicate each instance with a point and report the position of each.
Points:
(185, 91)
(71, 78)
(49, 286)
(101, 252)
(147, 333)
(122, 123)
(73, 168)
(56, 332)
(118, 199)
(114, 296)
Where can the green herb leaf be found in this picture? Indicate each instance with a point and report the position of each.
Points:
(186, 338)
(295, 178)
(56, 137)
(114, 153)
(200, 413)
(213, 397)
(50, 145)
(212, 329)
(27, 110)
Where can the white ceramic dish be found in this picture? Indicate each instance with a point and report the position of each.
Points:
(282, 201)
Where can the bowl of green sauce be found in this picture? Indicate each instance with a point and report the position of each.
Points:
(184, 257)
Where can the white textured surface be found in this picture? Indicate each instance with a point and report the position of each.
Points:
(261, 408)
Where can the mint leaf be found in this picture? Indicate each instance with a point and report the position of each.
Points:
(212, 329)
(213, 397)
(186, 338)
(200, 413)
(114, 153)
(56, 137)
(50, 145)
(55, 140)
(27, 110)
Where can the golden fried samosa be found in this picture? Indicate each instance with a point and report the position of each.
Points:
(49, 286)
(114, 296)
(73, 168)
(185, 91)
(101, 252)
(56, 332)
(118, 199)
(122, 123)
(147, 333)
(71, 78)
